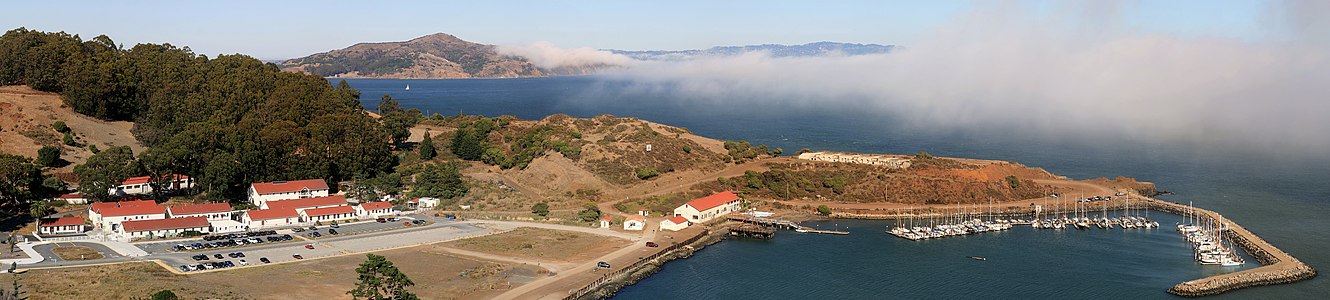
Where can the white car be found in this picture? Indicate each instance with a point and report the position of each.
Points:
(244, 263)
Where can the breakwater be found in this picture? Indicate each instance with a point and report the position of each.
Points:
(1277, 267)
(612, 282)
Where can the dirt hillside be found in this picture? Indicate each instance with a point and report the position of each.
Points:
(26, 116)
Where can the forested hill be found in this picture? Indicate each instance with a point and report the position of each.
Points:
(226, 121)
(433, 56)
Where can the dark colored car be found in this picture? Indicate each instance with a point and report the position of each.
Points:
(297, 256)
(603, 265)
(298, 229)
(265, 260)
(652, 244)
(381, 220)
(332, 231)
(218, 255)
(418, 222)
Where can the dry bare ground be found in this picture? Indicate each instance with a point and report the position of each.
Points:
(26, 116)
(437, 273)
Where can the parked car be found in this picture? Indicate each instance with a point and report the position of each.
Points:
(244, 263)
(218, 255)
(309, 246)
(264, 260)
(652, 244)
(184, 268)
(381, 220)
(332, 231)
(297, 256)
(603, 265)
(334, 225)
(418, 222)
(406, 223)
(298, 229)
(313, 228)
(316, 234)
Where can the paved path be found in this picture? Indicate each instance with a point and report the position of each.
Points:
(556, 287)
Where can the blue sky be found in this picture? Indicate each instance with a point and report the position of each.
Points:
(286, 29)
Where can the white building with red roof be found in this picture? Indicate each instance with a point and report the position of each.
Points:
(676, 223)
(69, 198)
(212, 211)
(375, 209)
(707, 208)
(142, 185)
(109, 215)
(262, 192)
(329, 214)
(635, 222)
(163, 228)
(66, 225)
(269, 218)
(306, 203)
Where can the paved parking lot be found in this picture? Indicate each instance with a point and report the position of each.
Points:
(357, 228)
(282, 252)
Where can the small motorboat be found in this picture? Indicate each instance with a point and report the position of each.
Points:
(977, 258)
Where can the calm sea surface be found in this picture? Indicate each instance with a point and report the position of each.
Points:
(1286, 200)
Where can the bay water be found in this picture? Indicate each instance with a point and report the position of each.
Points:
(1285, 200)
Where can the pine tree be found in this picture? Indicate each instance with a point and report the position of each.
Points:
(427, 148)
(379, 279)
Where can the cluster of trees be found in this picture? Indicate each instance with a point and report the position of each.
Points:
(741, 151)
(472, 142)
(787, 184)
(21, 184)
(440, 180)
(227, 121)
(397, 121)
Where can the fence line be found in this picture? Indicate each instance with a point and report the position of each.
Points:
(579, 293)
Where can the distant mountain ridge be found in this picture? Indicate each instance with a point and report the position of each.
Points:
(775, 50)
(437, 55)
(442, 56)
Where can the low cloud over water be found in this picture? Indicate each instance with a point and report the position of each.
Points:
(1071, 71)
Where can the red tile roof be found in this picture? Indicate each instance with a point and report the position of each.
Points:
(376, 205)
(66, 221)
(145, 179)
(709, 202)
(194, 209)
(268, 214)
(307, 202)
(172, 223)
(330, 211)
(678, 220)
(128, 208)
(607, 218)
(69, 196)
(264, 188)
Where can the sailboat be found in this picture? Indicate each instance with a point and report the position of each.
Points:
(408, 87)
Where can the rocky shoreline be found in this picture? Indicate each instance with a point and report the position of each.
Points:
(607, 287)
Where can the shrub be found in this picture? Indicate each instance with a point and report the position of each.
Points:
(48, 156)
(68, 139)
(823, 210)
(540, 209)
(60, 126)
(645, 173)
(1013, 182)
